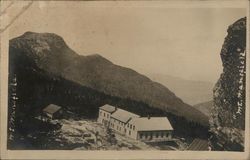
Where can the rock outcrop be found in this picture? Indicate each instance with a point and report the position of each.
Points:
(227, 121)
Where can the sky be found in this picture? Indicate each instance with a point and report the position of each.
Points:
(178, 41)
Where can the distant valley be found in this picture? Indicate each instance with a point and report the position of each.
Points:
(191, 92)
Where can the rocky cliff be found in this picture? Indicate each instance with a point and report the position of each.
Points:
(227, 120)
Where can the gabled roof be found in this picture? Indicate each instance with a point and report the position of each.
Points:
(123, 115)
(52, 108)
(108, 108)
(151, 124)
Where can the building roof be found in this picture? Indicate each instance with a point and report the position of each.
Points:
(52, 108)
(123, 115)
(198, 145)
(108, 108)
(151, 124)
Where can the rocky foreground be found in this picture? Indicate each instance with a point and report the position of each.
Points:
(78, 133)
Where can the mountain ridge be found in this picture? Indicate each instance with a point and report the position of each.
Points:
(50, 53)
(205, 107)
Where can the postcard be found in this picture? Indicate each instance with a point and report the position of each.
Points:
(124, 79)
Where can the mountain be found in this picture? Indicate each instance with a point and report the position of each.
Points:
(48, 71)
(191, 92)
(205, 107)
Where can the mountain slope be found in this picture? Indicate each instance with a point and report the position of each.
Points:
(49, 53)
(191, 92)
(205, 107)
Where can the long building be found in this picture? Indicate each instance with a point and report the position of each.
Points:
(134, 126)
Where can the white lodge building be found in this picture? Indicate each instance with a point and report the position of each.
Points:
(134, 126)
(105, 113)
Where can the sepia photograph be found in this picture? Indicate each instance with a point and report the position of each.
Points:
(124, 76)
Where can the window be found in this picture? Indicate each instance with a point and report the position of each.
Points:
(129, 132)
(166, 134)
(130, 126)
(146, 135)
(107, 116)
(161, 134)
(133, 127)
(157, 135)
(104, 114)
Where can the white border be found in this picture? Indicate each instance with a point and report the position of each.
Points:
(49, 154)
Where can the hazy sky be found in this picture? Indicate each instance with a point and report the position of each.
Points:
(182, 42)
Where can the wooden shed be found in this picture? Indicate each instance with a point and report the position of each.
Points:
(53, 111)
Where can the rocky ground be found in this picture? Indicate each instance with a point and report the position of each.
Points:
(84, 134)
(89, 135)
(74, 132)
(94, 136)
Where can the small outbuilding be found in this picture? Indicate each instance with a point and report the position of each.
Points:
(52, 111)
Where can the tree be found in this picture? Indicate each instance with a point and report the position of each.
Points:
(110, 136)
